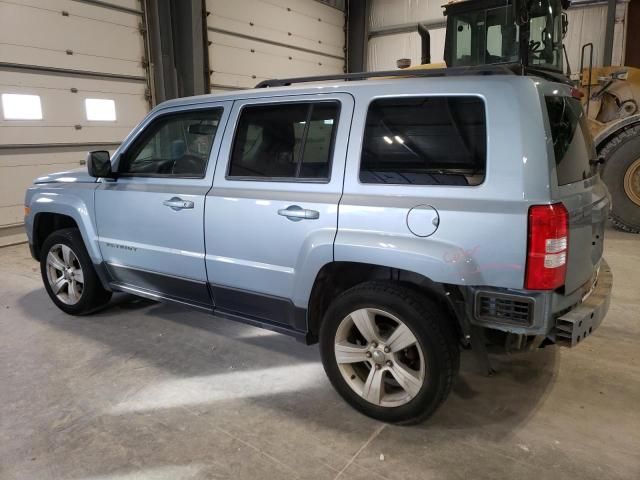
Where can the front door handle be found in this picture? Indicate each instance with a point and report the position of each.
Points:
(176, 203)
(296, 213)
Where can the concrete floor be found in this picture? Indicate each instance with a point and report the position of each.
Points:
(152, 391)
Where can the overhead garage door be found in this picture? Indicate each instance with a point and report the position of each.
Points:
(254, 40)
(72, 78)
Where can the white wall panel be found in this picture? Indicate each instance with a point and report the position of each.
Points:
(586, 24)
(18, 169)
(62, 109)
(254, 40)
(387, 13)
(242, 63)
(619, 34)
(384, 51)
(101, 39)
(300, 23)
(130, 4)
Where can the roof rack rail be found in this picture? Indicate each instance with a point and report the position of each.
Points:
(433, 72)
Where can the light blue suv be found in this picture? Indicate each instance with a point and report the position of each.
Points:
(392, 220)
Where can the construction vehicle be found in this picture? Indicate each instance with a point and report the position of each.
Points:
(526, 37)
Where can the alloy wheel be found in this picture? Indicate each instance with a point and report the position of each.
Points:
(64, 274)
(379, 357)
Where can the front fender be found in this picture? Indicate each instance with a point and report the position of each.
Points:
(73, 201)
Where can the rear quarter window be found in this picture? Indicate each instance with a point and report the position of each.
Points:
(572, 144)
(425, 141)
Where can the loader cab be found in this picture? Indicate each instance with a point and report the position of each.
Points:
(525, 34)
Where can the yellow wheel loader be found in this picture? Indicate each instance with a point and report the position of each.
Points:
(611, 99)
(526, 36)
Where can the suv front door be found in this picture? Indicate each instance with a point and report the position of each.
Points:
(272, 213)
(149, 220)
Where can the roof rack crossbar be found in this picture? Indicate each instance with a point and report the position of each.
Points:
(434, 72)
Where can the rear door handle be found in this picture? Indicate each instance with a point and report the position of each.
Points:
(176, 203)
(296, 213)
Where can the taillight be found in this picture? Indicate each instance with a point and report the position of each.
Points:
(547, 251)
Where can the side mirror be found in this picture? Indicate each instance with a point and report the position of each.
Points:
(99, 164)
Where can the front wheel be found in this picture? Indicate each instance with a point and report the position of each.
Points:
(389, 352)
(68, 274)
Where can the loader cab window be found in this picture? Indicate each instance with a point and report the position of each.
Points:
(492, 36)
(545, 35)
(485, 37)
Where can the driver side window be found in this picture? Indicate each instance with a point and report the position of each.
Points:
(176, 145)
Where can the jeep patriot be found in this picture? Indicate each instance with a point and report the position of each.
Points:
(392, 220)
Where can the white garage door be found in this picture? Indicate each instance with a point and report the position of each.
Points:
(254, 40)
(72, 79)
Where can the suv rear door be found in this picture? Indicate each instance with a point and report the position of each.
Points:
(577, 184)
(271, 216)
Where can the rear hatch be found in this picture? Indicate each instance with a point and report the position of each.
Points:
(579, 188)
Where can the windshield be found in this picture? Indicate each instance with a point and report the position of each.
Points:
(491, 36)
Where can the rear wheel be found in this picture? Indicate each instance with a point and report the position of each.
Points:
(389, 352)
(621, 173)
(68, 274)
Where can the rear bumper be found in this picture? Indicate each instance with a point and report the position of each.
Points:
(565, 319)
(580, 322)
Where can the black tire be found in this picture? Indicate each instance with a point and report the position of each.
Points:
(620, 153)
(93, 295)
(429, 324)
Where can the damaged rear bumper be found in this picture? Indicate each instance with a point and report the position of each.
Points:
(581, 321)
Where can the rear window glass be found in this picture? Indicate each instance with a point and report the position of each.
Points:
(425, 141)
(572, 143)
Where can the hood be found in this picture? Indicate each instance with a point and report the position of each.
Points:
(79, 175)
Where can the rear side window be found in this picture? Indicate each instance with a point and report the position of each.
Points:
(572, 143)
(284, 141)
(425, 141)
